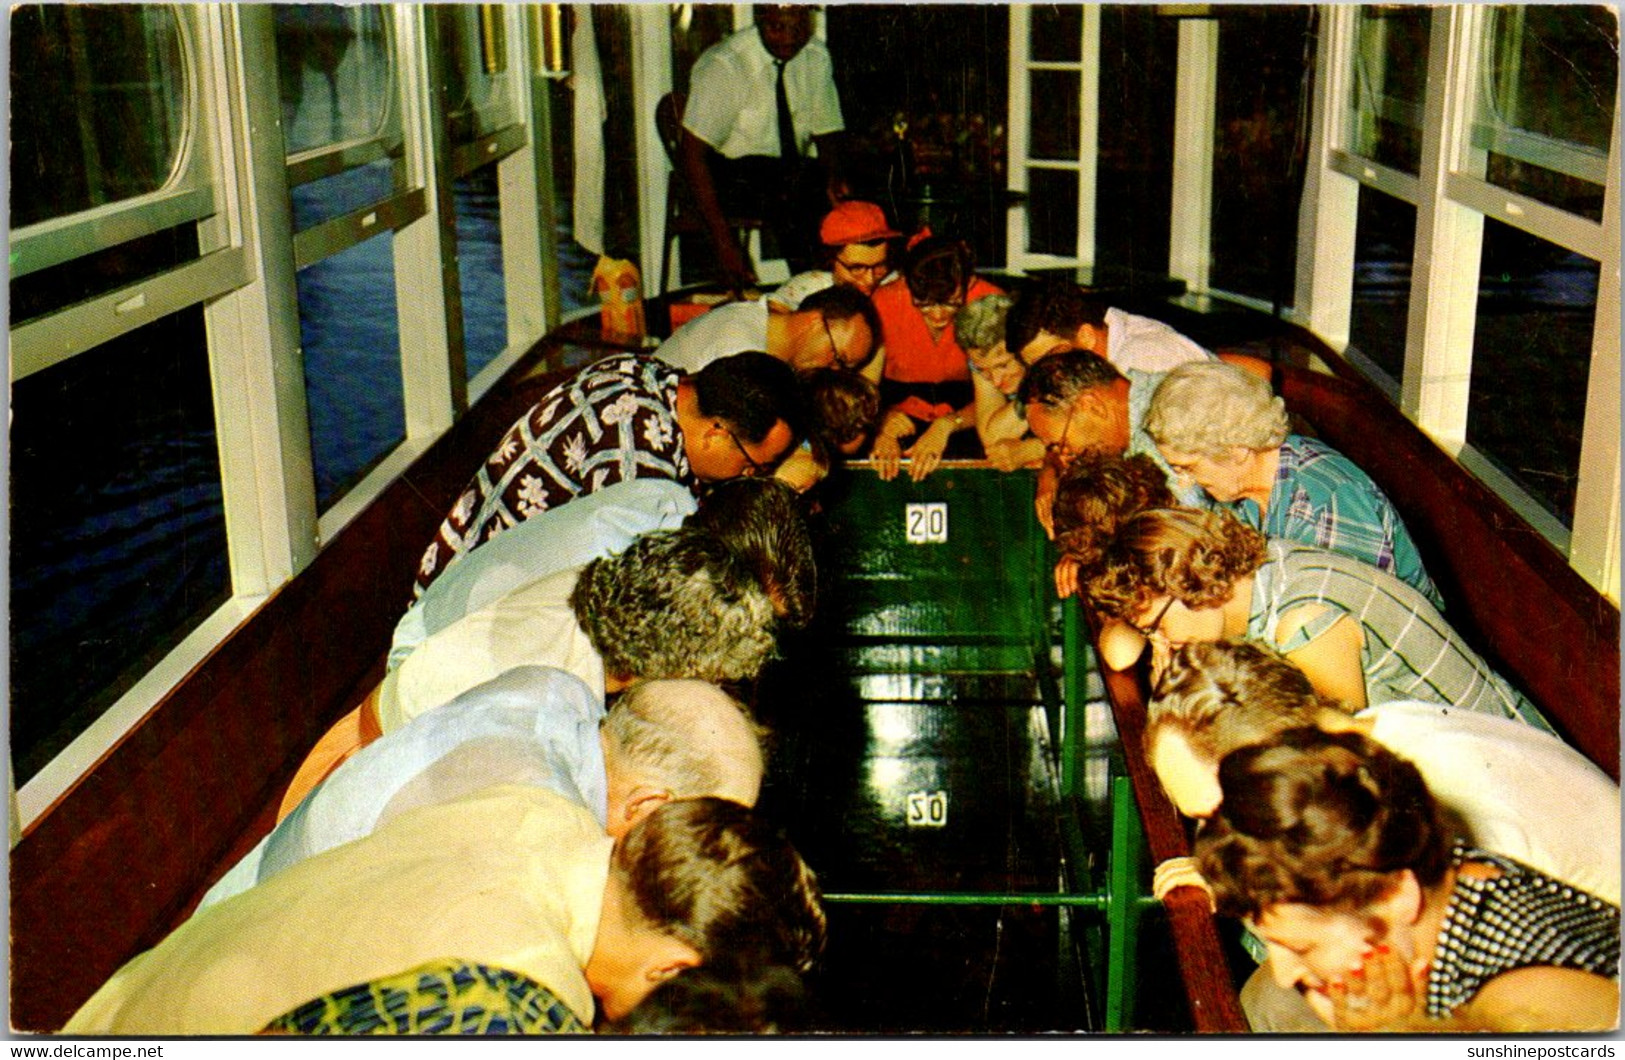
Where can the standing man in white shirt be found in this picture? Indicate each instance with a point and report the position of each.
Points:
(757, 100)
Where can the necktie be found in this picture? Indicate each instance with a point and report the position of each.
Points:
(787, 125)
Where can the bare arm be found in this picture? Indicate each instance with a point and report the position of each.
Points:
(1332, 660)
(1544, 999)
(829, 157)
(926, 452)
(691, 156)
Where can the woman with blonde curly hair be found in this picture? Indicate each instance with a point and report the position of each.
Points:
(1361, 636)
(1334, 851)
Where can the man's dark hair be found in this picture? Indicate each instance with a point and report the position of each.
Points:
(1054, 381)
(722, 998)
(716, 876)
(761, 521)
(939, 270)
(1057, 306)
(842, 303)
(751, 392)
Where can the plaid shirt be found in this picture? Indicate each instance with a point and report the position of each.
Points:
(613, 421)
(1321, 498)
(1410, 651)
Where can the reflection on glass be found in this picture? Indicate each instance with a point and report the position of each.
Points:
(479, 268)
(333, 196)
(1384, 242)
(333, 63)
(473, 48)
(1390, 77)
(1055, 96)
(1546, 103)
(118, 534)
(351, 338)
(1531, 356)
(97, 106)
(1261, 107)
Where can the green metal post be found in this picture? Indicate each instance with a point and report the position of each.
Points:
(1123, 906)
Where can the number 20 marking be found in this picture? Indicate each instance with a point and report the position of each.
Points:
(927, 523)
(927, 809)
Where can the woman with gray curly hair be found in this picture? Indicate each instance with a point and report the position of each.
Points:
(1362, 637)
(1225, 430)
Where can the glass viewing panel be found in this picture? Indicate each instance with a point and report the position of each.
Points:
(98, 98)
(118, 531)
(351, 337)
(1390, 78)
(1384, 243)
(1258, 155)
(1546, 103)
(325, 198)
(334, 65)
(1537, 304)
(479, 268)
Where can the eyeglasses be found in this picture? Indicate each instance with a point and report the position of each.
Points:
(879, 270)
(955, 303)
(1149, 631)
(755, 468)
(1059, 446)
(835, 348)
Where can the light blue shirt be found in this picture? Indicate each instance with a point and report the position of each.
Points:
(532, 725)
(596, 524)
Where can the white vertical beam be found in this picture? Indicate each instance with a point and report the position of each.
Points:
(261, 419)
(428, 301)
(1196, 91)
(1594, 548)
(524, 191)
(1018, 122)
(1326, 217)
(1449, 237)
(651, 79)
(1088, 132)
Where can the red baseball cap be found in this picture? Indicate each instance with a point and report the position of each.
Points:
(855, 222)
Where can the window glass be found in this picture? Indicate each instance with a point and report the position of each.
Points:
(1546, 103)
(1384, 243)
(1262, 109)
(333, 62)
(1134, 175)
(101, 271)
(1055, 95)
(351, 338)
(1390, 77)
(575, 264)
(333, 196)
(1531, 355)
(1052, 212)
(97, 106)
(118, 536)
(479, 94)
(479, 268)
(1057, 33)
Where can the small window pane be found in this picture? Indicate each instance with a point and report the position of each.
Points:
(351, 337)
(333, 61)
(1257, 175)
(1390, 78)
(118, 534)
(1531, 356)
(1546, 103)
(1384, 243)
(1052, 212)
(1055, 96)
(98, 96)
(479, 268)
(333, 196)
(1134, 173)
(1057, 33)
(479, 95)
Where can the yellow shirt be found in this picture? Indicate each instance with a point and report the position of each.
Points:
(512, 877)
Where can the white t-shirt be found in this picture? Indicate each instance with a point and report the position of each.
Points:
(1147, 345)
(732, 96)
(730, 328)
(532, 625)
(1520, 791)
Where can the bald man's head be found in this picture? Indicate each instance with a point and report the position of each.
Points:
(678, 739)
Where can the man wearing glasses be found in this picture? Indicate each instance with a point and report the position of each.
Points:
(834, 328)
(625, 417)
(858, 253)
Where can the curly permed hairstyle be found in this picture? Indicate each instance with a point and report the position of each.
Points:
(1097, 492)
(1210, 408)
(1229, 694)
(1193, 556)
(1319, 819)
(676, 603)
(718, 877)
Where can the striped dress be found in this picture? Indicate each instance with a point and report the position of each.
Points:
(1410, 652)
